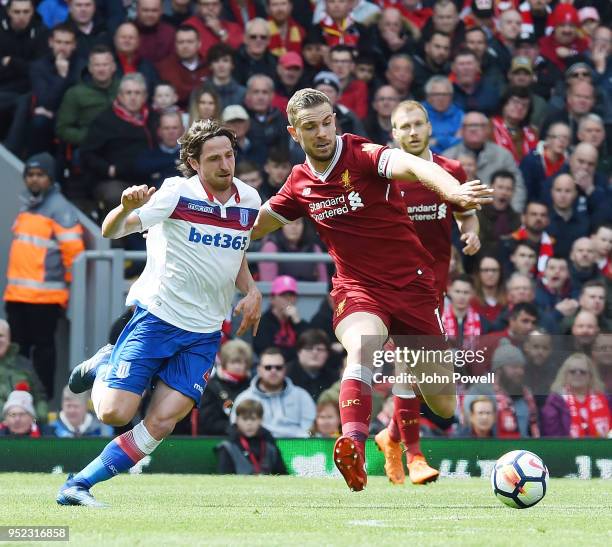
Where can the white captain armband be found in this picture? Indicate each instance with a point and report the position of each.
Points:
(385, 163)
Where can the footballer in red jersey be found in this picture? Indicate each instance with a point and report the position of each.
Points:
(431, 216)
(383, 280)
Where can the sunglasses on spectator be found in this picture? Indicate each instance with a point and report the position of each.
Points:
(580, 371)
(273, 367)
(582, 73)
(258, 36)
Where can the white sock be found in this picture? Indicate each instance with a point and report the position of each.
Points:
(403, 392)
(358, 372)
(143, 439)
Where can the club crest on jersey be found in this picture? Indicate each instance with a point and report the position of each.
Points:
(244, 217)
(123, 369)
(346, 181)
(306, 191)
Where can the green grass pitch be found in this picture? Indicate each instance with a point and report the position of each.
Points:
(188, 510)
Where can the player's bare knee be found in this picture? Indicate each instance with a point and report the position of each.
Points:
(114, 415)
(159, 427)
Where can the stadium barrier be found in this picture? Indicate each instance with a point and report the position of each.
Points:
(99, 288)
(456, 458)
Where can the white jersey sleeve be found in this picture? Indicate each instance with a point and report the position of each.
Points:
(161, 205)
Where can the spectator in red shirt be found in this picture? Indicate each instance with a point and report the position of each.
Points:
(185, 69)
(128, 59)
(577, 406)
(338, 26)
(511, 127)
(517, 413)
(285, 33)
(212, 29)
(353, 92)
(156, 36)
(490, 296)
(564, 43)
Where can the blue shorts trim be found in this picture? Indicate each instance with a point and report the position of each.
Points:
(148, 347)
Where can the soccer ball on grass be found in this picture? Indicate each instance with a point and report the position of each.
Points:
(519, 479)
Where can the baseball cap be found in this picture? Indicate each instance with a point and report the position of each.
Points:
(521, 63)
(43, 161)
(291, 59)
(588, 12)
(21, 399)
(282, 284)
(234, 112)
(328, 78)
(564, 14)
(482, 8)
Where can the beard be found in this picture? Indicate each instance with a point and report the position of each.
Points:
(415, 149)
(318, 155)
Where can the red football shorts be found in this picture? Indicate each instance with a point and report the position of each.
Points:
(411, 310)
(440, 270)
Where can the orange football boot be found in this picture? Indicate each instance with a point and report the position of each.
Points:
(350, 462)
(421, 472)
(394, 466)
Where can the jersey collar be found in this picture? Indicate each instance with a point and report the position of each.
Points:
(322, 176)
(211, 198)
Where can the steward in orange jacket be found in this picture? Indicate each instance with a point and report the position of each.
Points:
(46, 239)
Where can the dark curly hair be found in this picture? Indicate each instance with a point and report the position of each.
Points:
(193, 139)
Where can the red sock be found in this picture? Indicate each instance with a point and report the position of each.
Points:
(355, 409)
(393, 429)
(406, 414)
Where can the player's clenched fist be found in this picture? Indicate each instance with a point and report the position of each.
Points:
(136, 196)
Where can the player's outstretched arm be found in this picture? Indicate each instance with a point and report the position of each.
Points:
(265, 223)
(250, 305)
(471, 195)
(122, 220)
(406, 167)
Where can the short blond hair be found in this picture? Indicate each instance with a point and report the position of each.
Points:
(236, 350)
(407, 106)
(305, 98)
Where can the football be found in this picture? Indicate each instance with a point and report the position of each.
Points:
(519, 479)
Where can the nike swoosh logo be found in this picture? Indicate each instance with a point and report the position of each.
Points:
(535, 464)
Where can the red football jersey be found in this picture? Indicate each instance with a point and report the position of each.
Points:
(432, 217)
(359, 214)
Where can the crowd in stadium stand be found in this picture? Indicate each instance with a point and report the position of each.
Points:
(96, 93)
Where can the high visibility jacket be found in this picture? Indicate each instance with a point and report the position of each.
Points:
(46, 239)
